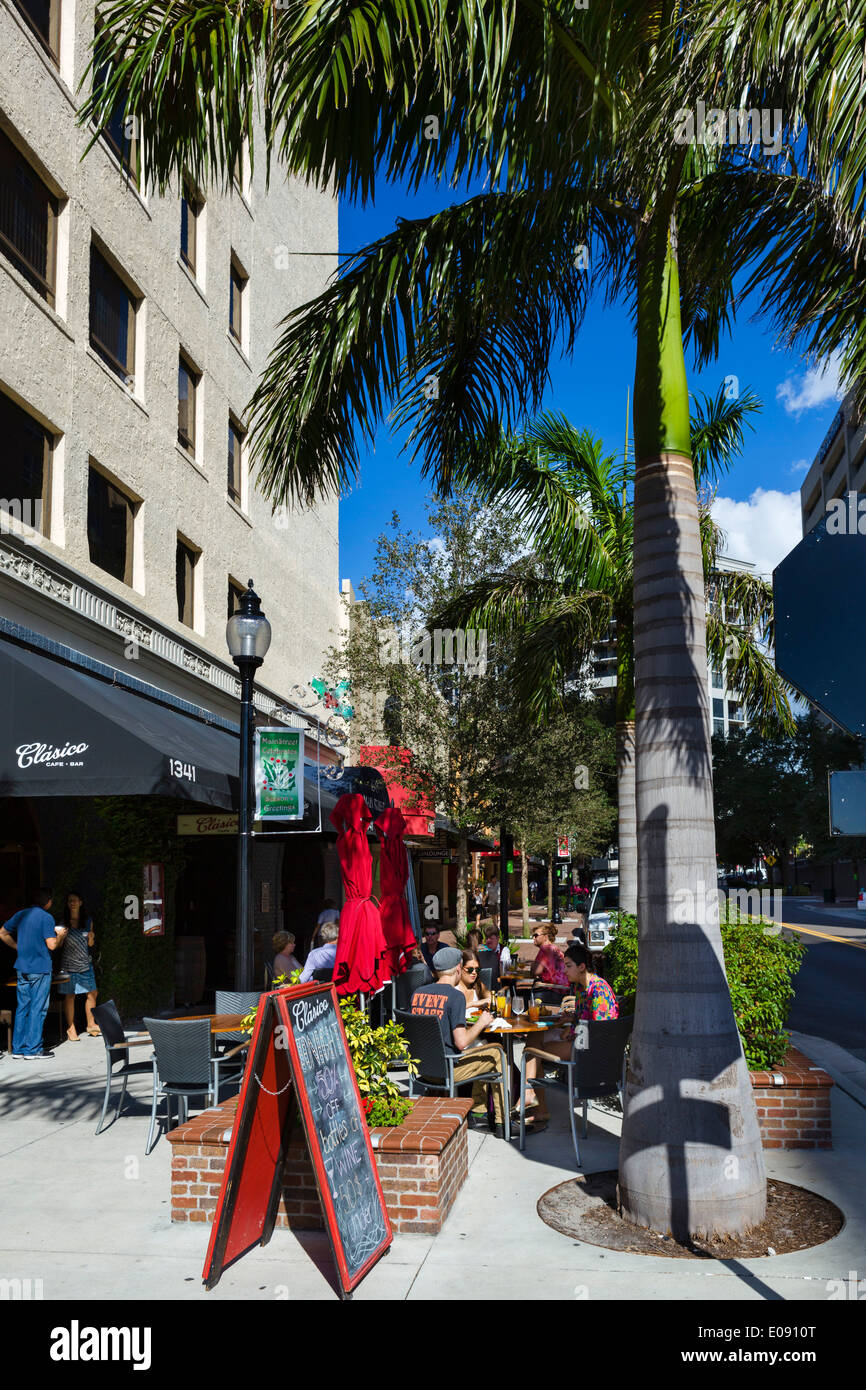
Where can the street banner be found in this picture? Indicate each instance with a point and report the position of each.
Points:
(563, 849)
(279, 774)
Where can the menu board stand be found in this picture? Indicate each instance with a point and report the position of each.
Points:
(299, 1065)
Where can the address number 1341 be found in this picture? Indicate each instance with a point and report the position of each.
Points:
(179, 769)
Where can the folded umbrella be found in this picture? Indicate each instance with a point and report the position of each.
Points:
(362, 961)
(393, 873)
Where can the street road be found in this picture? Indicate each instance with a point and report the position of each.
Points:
(830, 990)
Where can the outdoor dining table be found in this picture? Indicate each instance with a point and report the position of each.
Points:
(520, 1028)
(219, 1023)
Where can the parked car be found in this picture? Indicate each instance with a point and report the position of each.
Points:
(604, 901)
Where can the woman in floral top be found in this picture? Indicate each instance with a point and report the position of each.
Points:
(593, 999)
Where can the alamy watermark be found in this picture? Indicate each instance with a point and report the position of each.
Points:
(709, 904)
(846, 517)
(465, 648)
(22, 517)
(736, 126)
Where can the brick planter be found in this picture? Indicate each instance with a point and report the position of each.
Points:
(793, 1104)
(422, 1165)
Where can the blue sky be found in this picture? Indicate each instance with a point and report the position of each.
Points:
(758, 502)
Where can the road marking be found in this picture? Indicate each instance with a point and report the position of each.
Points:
(825, 936)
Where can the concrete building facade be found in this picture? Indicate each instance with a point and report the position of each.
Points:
(839, 466)
(133, 331)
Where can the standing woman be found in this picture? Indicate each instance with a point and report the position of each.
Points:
(76, 959)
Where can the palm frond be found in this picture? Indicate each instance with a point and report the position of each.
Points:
(373, 336)
(717, 430)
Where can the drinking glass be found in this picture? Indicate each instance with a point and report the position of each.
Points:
(518, 1005)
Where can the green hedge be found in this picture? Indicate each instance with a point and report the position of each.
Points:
(760, 968)
(135, 970)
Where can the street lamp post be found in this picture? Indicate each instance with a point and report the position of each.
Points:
(248, 635)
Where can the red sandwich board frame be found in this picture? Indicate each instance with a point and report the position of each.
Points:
(273, 1093)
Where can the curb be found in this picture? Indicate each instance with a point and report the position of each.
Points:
(848, 1072)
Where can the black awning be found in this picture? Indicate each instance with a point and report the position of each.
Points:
(66, 733)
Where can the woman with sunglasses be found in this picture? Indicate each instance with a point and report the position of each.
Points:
(469, 983)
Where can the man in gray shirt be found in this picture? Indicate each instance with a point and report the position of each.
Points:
(323, 957)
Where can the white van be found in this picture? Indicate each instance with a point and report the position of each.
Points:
(603, 901)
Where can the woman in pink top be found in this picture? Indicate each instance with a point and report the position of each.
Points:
(548, 968)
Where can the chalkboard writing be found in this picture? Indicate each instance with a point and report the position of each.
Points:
(336, 1129)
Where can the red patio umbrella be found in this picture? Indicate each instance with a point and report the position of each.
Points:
(393, 873)
(362, 962)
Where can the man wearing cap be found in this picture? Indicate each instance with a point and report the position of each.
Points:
(444, 1002)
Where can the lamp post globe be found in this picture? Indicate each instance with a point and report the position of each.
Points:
(248, 636)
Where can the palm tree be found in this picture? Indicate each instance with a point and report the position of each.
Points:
(572, 119)
(574, 505)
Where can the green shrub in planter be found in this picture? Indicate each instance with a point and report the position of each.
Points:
(386, 1111)
(760, 967)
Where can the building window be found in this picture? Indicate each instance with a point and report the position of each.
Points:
(191, 206)
(28, 220)
(236, 593)
(719, 727)
(735, 713)
(110, 519)
(719, 709)
(718, 683)
(43, 17)
(187, 385)
(235, 469)
(120, 131)
(27, 450)
(185, 563)
(238, 284)
(112, 318)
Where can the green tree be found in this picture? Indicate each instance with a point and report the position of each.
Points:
(573, 120)
(576, 506)
(771, 792)
(444, 695)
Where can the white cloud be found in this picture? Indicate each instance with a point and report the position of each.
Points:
(800, 466)
(814, 388)
(762, 530)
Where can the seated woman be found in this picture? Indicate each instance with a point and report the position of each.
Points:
(285, 960)
(469, 983)
(548, 968)
(592, 999)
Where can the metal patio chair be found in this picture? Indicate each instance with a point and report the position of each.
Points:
(182, 1066)
(229, 1048)
(596, 1068)
(117, 1047)
(436, 1067)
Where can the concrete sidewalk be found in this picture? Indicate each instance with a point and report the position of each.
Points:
(89, 1215)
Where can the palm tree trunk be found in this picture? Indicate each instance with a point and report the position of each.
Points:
(462, 880)
(690, 1157)
(625, 764)
(524, 887)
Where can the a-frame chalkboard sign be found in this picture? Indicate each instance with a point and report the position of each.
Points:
(299, 1065)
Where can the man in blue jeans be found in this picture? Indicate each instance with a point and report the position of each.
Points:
(33, 933)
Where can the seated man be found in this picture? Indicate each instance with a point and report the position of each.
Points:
(491, 943)
(323, 957)
(443, 1001)
(430, 944)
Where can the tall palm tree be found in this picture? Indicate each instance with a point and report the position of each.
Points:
(575, 506)
(572, 119)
